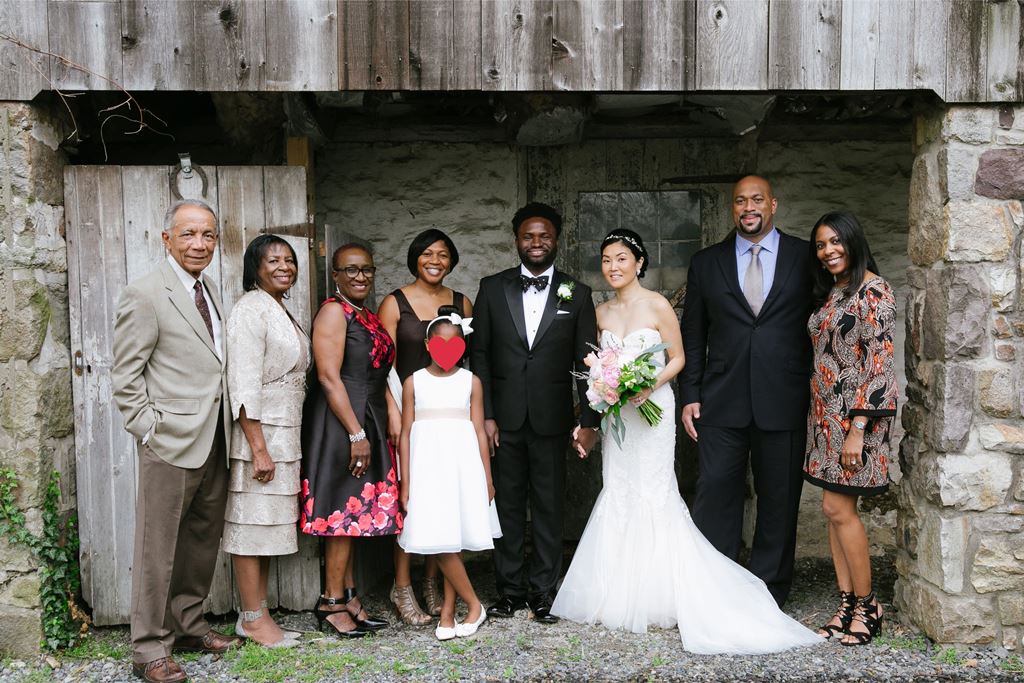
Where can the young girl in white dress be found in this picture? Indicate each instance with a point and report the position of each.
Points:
(446, 484)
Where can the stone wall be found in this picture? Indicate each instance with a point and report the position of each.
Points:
(35, 383)
(961, 526)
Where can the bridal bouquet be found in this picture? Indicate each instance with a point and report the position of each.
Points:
(615, 376)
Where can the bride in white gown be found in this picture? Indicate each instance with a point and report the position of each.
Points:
(641, 561)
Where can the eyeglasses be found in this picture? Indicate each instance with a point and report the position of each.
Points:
(352, 271)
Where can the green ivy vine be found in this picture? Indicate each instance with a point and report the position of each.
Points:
(57, 550)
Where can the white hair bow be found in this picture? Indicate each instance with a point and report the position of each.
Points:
(454, 319)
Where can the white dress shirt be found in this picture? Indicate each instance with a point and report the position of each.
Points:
(768, 256)
(189, 283)
(534, 302)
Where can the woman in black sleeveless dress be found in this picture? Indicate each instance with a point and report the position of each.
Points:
(405, 314)
(349, 477)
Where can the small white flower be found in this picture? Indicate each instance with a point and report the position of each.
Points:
(564, 291)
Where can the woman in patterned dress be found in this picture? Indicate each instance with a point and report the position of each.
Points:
(853, 404)
(349, 486)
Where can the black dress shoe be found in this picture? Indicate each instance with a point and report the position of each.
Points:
(540, 610)
(506, 607)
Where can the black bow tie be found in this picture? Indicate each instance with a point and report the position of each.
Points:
(540, 283)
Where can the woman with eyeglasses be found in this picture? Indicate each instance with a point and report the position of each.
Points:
(405, 313)
(350, 484)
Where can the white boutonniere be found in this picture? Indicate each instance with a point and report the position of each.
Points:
(565, 290)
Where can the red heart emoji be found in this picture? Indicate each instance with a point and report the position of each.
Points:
(446, 352)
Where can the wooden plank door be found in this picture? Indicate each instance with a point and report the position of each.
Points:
(114, 220)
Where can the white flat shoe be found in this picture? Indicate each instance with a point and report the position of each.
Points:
(288, 639)
(470, 628)
(447, 632)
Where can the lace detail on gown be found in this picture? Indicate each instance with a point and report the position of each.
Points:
(642, 562)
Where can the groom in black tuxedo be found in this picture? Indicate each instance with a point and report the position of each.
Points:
(532, 327)
(745, 387)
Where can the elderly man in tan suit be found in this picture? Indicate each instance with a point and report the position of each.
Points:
(169, 384)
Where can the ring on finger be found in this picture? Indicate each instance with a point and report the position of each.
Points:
(359, 463)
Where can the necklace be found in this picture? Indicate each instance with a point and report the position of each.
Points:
(348, 301)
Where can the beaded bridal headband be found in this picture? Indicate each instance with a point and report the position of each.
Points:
(625, 238)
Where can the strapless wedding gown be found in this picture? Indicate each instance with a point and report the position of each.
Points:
(642, 562)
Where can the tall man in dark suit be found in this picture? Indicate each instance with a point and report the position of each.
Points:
(533, 326)
(745, 387)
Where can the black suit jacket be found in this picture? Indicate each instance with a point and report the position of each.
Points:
(743, 369)
(521, 382)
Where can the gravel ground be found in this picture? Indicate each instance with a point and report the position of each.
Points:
(519, 649)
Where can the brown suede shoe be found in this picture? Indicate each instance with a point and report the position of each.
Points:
(163, 670)
(212, 642)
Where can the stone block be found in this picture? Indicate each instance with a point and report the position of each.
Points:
(21, 591)
(1001, 328)
(1005, 117)
(1005, 352)
(1011, 608)
(21, 631)
(940, 551)
(953, 411)
(977, 231)
(957, 166)
(956, 312)
(999, 564)
(1000, 174)
(24, 316)
(1011, 638)
(35, 406)
(926, 240)
(972, 482)
(969, 124)
(15, 557)
(1002, 437)
(946, 618)
(1002, 281)
(997, 392)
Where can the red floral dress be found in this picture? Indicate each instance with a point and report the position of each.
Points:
(854, 375)
(333, 502)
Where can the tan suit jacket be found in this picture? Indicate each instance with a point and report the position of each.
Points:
(166, 369)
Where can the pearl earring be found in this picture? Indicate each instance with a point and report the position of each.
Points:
(638, 272)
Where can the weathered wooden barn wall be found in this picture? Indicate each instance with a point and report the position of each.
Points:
(964, 50)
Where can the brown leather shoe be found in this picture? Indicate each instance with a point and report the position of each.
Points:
(212, 642)
(163, 670)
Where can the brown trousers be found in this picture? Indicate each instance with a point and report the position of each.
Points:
(179, 516)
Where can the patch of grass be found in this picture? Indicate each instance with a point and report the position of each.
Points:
(454, 673)
(912, 643)
(94, 646)
(36, 676)
(263, 665)
(523, 642)
(657, 661)
(458, 647)
(509, 673)
(1012, 664)
(949, 656)
(572, 652)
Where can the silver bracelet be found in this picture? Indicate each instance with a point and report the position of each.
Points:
(358, 436)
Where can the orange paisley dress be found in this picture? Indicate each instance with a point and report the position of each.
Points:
(854, 374)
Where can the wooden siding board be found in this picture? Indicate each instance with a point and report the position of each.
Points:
(431, 44)
(659, 44)
(147, 194)
(374, 42)
(859, 52)
(732, 45)
(466, 38)
(966, 51)
(1005, 47)
(894, 63)
(931, 18)
(302, 45)
(158, 45)
(804, 44)
(105, 453)
(23, 73)
(88, 34)
(231, 37)
(516, 44)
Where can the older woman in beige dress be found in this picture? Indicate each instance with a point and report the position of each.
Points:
(268, 354)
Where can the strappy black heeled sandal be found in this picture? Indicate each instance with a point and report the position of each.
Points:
(867, 613)
(367, 624)
(844, 613)
(322, 614)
